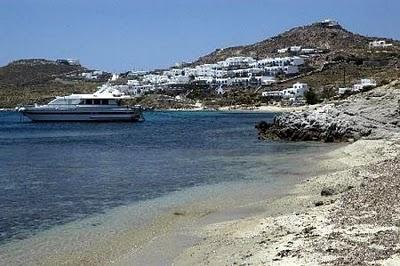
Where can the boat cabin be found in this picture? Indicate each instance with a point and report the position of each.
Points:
(86, 100)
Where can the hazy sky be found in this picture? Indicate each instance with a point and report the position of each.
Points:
(144, 34)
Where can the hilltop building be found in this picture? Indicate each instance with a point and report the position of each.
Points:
(329, 23)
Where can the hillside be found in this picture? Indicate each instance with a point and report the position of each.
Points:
(318, 35)
(37, 80)
(340, 58)
(34, 71)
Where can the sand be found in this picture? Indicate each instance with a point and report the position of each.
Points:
(297, 232)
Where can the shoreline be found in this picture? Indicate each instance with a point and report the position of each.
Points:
(290, 232)
(236, 109)
(131, 234)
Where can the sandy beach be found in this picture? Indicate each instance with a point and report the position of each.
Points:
(302, 228)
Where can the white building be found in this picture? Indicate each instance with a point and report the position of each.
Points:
(89, 76)
(298, 90)
(344, 90)
(329, 23)
(295, 49)
(139, 89)
(363, 84)
(220, 90)
(155, 79)
(179, 80)
(290, 70)
(74, 62)
(275, 94)
(379, 44)
(308, 51)
(114, 77)
(297, 61)
(238, 61)
(133, 82)
(283, 50)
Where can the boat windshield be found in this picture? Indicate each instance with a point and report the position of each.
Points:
(65, 101)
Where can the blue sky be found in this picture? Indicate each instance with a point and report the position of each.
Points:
(145, 34)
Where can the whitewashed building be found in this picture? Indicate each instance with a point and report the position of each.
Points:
(133, 82)
(295, 49)
(344, 90)
(274, 94)
(238, 61)
(379, 44)
(298, 90)
(283, 50)
(363, 84)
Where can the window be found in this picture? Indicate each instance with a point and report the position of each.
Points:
(104, 102)
(88, 101)
(96, 102)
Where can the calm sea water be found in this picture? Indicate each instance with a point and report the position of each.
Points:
(54, 173)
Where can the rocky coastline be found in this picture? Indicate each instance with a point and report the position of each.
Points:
(349, 216)
(369, 114)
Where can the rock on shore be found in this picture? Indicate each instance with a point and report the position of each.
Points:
(370, 113)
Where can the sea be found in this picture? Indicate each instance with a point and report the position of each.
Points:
(53, 174)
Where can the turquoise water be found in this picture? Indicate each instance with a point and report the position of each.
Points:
(55, 173)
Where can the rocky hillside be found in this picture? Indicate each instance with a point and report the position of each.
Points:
(369, 114)
(36, 80)
(317, 35)
(35, 71)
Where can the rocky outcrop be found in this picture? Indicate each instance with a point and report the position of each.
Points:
(370, 113)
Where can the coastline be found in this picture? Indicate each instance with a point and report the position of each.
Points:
(256, 109)
(152, 232)
(291, 232)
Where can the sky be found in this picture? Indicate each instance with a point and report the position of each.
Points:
(121, 35)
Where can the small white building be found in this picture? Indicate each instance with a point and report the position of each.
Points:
(308, 51)
(298, 90)
(178, 80)
(363, 84)
(114, 77)
(274, 94)
(296, 61)
(290, 70)
(329, 23)
(344, 90)
(220, 90)
(133, 82)
(267, 80)
(283, 50)
(379, 44)
(73, 62)
(238, 61)
(295, 49)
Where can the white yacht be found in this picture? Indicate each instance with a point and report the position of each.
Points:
(103, 105)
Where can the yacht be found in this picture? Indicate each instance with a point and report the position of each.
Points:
(103, 105)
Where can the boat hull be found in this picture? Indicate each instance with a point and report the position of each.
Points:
(74, 116)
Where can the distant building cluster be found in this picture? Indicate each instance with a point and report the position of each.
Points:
(234, 71)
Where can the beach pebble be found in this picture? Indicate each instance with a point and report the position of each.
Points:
(327, 191)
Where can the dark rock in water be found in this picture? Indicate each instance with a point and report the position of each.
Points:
(319, 203)
(327, 192)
